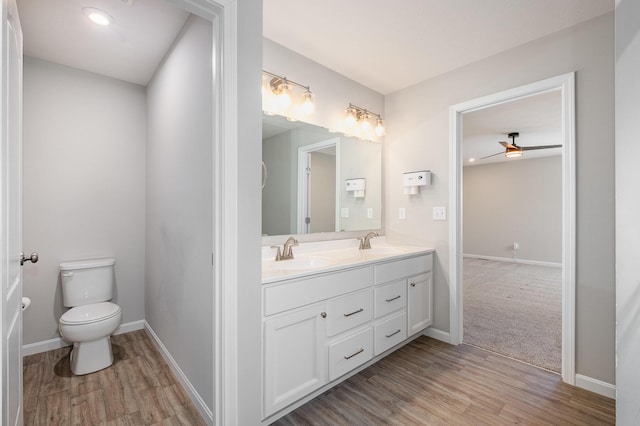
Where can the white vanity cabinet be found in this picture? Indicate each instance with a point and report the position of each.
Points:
(320, 327)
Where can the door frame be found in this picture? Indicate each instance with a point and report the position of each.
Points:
(225, 259)
(566, 85)
(304, 197)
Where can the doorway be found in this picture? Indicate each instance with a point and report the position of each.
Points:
(565, 85)
(317, 191)
(512, 229)
(218, 148)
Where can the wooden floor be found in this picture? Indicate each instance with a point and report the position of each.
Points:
(138, 389)
(429, 382)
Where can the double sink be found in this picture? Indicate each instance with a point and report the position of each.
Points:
(316, 257)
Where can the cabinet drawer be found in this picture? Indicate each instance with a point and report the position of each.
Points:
(346, 312)
(347, 354)
(390, 332)
(402, 268)
(291, 295)
(389, 298)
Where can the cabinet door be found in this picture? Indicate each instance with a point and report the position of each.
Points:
(295, 356)
(419, 303)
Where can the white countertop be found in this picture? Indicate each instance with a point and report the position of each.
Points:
(319, 257)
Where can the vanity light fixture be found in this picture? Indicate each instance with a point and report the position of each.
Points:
(358, 122)
(281, 90)
(97, 16)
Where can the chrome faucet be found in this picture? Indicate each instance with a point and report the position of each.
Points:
(287, 252)
(365, 242)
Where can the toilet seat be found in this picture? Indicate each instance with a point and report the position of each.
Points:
(88, 314)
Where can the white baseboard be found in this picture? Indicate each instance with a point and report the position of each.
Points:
(43, 346)
(595, 385)
(511, 260)
(205, 412)
(443, 336)
(58, 342)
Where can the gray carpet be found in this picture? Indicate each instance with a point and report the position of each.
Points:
(515, 310)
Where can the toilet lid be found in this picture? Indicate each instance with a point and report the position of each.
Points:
(90, 313)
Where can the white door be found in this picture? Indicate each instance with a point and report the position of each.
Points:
(11, 214)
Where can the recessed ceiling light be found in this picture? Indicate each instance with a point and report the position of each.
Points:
(97, 16)
(471, 160)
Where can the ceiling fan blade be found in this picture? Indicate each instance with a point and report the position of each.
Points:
(531, 148)
(508, 145)
(492, 155)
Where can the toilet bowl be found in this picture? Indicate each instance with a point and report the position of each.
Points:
(89, 328)
(87, 287)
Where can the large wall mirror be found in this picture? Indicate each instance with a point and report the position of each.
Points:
(317, 181)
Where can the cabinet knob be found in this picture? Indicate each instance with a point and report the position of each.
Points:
(323, 314)
(413, 284)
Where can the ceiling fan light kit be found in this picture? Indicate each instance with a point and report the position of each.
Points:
(512, 150)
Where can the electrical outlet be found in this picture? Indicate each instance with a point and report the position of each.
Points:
(440, 213)
(369, 213)
(344, 212)
(402, 213)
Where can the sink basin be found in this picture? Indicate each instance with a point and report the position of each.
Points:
(382, 251)
(301, 263)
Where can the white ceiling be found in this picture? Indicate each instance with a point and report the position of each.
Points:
(388, 45)
(130, 49)
(385, 45)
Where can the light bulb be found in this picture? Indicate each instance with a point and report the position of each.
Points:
(284, 96)
(97, 16)
(308, 102)
(351, 119)
(379, 127)
(365, 124)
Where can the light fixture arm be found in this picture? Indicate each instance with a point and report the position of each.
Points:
(277, 80)
(363, 111)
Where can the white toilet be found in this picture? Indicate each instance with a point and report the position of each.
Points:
(87, 287)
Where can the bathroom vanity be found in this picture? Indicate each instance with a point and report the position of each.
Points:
(333, 310)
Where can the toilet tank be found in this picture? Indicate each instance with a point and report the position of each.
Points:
(87, 281)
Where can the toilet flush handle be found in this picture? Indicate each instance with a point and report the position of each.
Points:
(33, 258)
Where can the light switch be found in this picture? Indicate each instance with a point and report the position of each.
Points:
(369, 213)
(402, 213)
(440, 213)
(344, 212)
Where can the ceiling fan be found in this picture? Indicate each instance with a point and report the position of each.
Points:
(514, 150)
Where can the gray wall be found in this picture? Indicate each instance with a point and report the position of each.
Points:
(627, 210)
(514, 201)
(361, 159)
(246, 241)
(179, 234)
(418, 138)
(333, 91)
(278, 218)
(83, 195)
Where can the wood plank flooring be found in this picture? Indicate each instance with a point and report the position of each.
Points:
(138, 389)
(429, 382)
